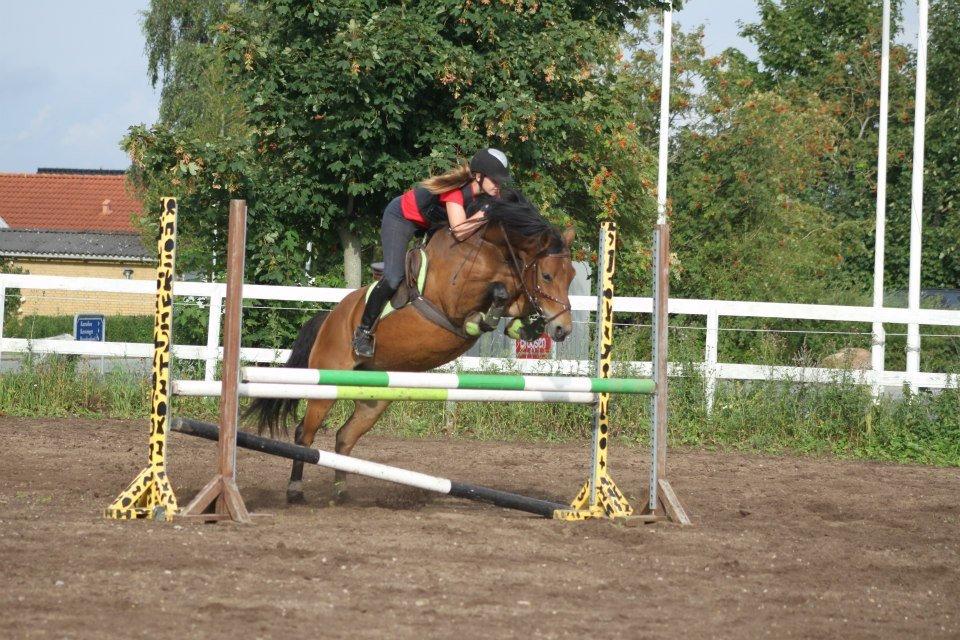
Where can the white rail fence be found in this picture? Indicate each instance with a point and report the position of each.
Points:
(711, 310)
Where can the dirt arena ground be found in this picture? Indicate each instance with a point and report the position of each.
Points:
(780, 548)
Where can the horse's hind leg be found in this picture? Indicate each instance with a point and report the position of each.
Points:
(306, 432)
(365, 415)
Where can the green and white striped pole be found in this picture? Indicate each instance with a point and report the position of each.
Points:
(338, 392)
(450, 381)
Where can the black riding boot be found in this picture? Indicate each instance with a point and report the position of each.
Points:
(363, 340)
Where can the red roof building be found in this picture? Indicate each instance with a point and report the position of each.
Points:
(64, 200)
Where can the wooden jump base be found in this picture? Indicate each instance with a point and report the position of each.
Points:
(151, 496)
(379, 471)
(415, 380)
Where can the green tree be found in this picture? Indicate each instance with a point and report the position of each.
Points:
(183, 59)
(801, 39)
(941, 251)
(831, 48)
(742, 161)
(350, 103)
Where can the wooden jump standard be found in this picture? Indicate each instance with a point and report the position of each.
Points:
(150, 494)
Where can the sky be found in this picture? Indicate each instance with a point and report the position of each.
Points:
(73, 75)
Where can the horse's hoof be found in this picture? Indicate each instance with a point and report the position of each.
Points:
(295, 493)
(339, 498)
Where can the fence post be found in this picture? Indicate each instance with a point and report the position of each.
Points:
(913, 356)
(878, 355)
(213, 337)
(710, 358)
(449, 415)
(3, 311)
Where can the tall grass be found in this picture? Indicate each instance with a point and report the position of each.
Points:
(839, 419)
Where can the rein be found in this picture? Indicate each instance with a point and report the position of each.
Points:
(472, 257)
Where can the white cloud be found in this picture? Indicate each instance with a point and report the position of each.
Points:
(36, 125)
(91, 74)
(103, 131)
(91, 131)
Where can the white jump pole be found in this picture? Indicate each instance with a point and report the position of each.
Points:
(332, 392)
(916, 199)
(878, 348)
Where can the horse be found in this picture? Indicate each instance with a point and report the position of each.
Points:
(516, 264)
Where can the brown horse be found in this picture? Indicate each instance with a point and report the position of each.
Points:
(517, 264)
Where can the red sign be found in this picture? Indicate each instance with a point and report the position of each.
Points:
(535, 349)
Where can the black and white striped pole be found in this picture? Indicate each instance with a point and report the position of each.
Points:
(349, 464)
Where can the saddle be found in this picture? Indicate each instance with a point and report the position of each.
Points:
(415, 272)
(415, 275)
(410, 292)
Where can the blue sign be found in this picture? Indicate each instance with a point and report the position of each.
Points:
(89, 326)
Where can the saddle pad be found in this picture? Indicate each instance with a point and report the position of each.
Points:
(421, 280)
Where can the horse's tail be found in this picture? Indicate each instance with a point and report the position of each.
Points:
(272, 413)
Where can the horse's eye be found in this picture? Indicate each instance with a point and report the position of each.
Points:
(547, 277)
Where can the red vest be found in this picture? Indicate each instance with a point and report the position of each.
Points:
(426, 209)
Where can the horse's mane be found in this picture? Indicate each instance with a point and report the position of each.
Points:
(518, 217)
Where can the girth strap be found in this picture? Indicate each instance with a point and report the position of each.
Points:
(433, 313)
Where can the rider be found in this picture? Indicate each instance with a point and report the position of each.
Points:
(440, 199)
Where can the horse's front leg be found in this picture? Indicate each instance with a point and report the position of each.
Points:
(482, 322)
(306, 432)
(365, 415)
(528, 328)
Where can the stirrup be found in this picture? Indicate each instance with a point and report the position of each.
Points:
(364, 343)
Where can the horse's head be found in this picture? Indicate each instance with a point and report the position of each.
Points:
(539, 255)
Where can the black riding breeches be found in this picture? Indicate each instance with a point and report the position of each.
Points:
(395, 235)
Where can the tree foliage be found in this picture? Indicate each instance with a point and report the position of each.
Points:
(832, 49)
(941, 257)
(319, 112)
(182, 58)
(349, 103)
(743, 160)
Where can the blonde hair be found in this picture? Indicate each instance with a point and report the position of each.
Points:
(452, 179)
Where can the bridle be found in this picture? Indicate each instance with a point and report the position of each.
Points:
(520, 268)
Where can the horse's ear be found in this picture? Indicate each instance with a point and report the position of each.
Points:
(568, 234)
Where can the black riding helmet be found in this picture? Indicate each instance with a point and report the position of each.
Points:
(493, 164)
